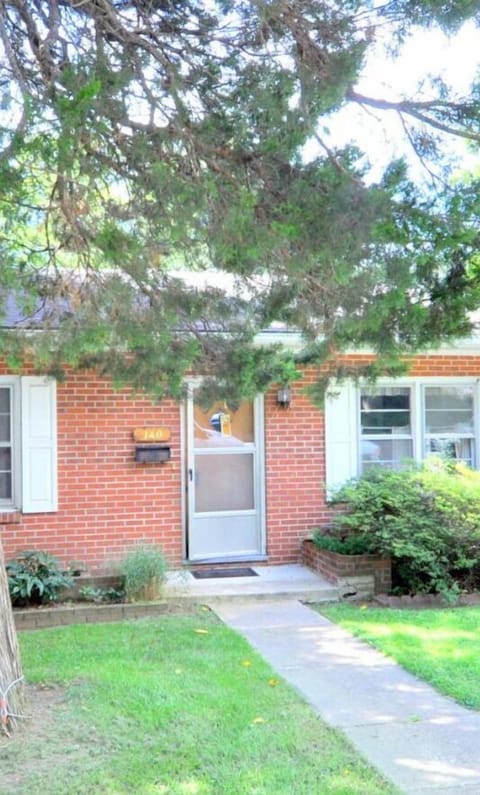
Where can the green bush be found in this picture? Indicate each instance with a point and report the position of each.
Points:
(427, 519)
(144, 569)
(35, 577)
(343, 544)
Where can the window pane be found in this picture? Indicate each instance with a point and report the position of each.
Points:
(5, 486)
(385, 452)
(456, 449)
(224, 482)
(446, 397)
(385, 411)
(449, 410)
(386, 398)
(459, 422)
(385, 422)
(223, 425)
(5, 459)
(4, 427)
(4, 400)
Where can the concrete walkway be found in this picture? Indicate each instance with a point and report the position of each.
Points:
(422, 742)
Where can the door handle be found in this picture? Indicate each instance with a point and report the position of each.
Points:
(190, 477)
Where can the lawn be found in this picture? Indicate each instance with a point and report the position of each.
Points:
(440, 646)
(174, 705)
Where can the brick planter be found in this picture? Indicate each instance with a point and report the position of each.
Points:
(364, 574)
(84, 613)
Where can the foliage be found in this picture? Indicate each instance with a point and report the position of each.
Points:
(344, 545)
(153, 705)
(440, 646)
(140, 141)
(35, 577)
(91, 594)
(427, 519)
(143, 567)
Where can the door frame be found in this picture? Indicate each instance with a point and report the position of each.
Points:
(259, 478)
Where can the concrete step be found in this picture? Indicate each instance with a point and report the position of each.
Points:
(281, 582)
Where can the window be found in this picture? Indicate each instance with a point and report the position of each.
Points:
(28, 476)
(385, 427)
(387, 434)
(388, 423)
(449, 422)
(6, 446)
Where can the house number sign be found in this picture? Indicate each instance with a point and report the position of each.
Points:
(151, 435)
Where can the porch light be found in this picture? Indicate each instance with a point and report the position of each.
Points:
(284, 397)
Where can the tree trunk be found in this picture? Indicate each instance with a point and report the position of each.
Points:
(11, 689)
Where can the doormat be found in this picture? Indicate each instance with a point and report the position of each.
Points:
(213, 574)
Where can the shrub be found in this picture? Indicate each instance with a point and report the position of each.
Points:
(427, 519)
(35, 577)
(343, 544)
(144, 569)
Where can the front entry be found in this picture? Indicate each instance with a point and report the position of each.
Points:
(225, 481)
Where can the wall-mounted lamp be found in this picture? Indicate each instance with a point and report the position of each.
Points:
(284, 397)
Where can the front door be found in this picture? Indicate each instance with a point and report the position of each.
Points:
(225, 481)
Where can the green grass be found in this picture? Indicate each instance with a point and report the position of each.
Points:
(441, 646)
(155, 707)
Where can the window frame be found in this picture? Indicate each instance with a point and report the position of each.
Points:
(381, 437)
(452, 436)
(417, 386)
(13, 384)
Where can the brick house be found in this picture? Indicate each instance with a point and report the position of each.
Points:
(241, 483)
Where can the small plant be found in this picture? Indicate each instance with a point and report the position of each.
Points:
(144, 570)
(98, 595)
(35, 577)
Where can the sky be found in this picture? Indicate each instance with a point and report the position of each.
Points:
(379, 133)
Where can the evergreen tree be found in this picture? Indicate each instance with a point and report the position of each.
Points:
(140, 139)
(143, 137)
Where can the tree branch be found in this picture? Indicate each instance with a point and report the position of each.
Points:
(418, 110)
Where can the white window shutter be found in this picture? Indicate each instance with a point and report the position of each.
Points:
(341, 435)
(39, 445)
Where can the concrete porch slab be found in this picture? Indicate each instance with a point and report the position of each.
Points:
(288, 581)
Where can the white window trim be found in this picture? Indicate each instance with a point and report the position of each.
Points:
(32, 494)
(417, 384)
(454, 436)
(381, 437)
(342, 424)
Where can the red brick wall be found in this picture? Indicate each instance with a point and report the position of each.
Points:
(294, 474)
(295, 458)
(335, 567)
(446, 365)
(107, 501)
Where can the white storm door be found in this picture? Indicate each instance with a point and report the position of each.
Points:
(225, 481)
